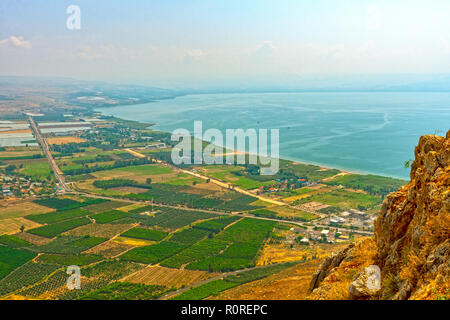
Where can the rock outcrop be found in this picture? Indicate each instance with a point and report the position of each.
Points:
(412, 235)
(367, 284)
(327, 266)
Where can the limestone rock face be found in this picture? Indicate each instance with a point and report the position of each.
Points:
(413, 227)
(327, 265)
(367, 283)
(412, 238)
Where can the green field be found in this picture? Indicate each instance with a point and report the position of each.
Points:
(109, 216)
(37, 170)
(146, 234)
(370, 183)
(154, 253)
(69, 260)
(52, 230)
(125, 291)
(344, 199)
(11, 258)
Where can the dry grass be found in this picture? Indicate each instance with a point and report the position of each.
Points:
(278, 253)
(110, 249)
(133, 242)
(37, 240)
(14, 209)
(13, 225)
(157, 275)
(335, 286)
(64, 140)
(289, 284)
(12, 213)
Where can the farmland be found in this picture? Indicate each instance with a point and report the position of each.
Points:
(158, 227)
(52, 230)
(146, 234)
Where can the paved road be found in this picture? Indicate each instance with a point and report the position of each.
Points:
(57, 172)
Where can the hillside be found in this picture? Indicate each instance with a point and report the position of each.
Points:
(411, 246)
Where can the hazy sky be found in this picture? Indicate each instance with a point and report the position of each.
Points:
(179, 42)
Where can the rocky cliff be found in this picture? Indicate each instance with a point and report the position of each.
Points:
(411, 246)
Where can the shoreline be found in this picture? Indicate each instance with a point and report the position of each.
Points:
(293, 160)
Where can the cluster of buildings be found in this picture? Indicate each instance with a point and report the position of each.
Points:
(17, 186)
(352, 217)
(323, 236)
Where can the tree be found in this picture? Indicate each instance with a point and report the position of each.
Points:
(149, 180)
(10, 168)
(22, 228)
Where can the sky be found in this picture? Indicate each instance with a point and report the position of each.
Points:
(182, 43)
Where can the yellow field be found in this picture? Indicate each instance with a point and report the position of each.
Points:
(12, 225)
(316, 190)
(157, 275)
(131, 207)
(12, 213)
(278, 253)
(64, 140)
(110, 249)
(285, 211)
(133, 242)
(15, 131)
(37, 240)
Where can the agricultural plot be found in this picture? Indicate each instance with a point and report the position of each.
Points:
(146, 234)
(52, 230)
(264, 213)
(234, 175)
(111, 269)
(371, 183)
(62, 204)
(99, 230)
(57, 216)
(105, 206)
(39, 170)
(285, 212)
(12, 215)
(195, 198)
(110, 216)
(110, 249)
(344, 199)
(234, 248)
(55, 287)
(11, 258)
(206, 290)
(126, 291)
(68, 245)
(68, 259)
(26, 275)
(216, 225)
(57, 203)
(169, 218)
(14, 242)
(213, 288)
(32, 238)
(156, 275)
(152, 254)
(188, 236)
(244, 239)
(311, 172)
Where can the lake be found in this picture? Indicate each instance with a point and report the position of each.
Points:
(365, 132)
